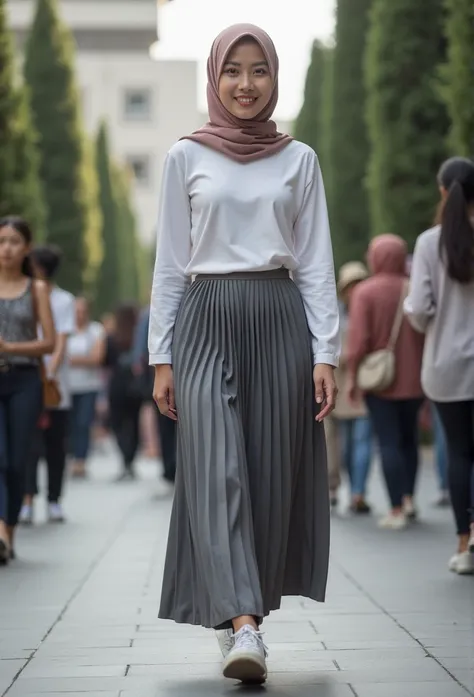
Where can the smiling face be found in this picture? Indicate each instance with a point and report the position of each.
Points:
(245, 85)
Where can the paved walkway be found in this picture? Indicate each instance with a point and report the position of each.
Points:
(78, 610)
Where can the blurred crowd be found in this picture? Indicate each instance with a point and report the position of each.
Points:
(408, 362)
(68, 382)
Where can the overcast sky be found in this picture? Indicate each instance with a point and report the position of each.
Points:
(187, 28)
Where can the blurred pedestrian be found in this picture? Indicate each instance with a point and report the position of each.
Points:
(440, 457)
(441, 304)
(241, 352)
(125, 395)
(166, 427)
(24, 305)
(384, 362)
(86, 353)
(334, 454)
(354, 425)
(51, 435)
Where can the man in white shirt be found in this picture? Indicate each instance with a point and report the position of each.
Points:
(52, 436)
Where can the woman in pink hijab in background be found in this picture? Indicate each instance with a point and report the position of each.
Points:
(244, 337)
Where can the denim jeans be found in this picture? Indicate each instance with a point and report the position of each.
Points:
(395, 423)
(440, 448)
(356, 451)
(20, 407)
(458, 422)
(82, 418)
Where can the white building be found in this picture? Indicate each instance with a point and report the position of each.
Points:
(147, 104)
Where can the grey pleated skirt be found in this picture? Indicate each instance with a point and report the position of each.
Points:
(250, 519)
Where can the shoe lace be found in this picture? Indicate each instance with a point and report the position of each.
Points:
(247, 636)
(228, 639)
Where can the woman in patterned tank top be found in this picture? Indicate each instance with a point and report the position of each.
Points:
(24, 304)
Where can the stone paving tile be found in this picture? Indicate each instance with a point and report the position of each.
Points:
(197, 669)
(38, 668)
(410, 689)
(213, 689)
(8, 670)
(100, 693)
(89, 611)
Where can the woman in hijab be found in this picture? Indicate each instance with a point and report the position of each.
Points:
(244, 358)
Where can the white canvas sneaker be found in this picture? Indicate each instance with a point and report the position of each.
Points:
(26, 515)
(55, 513)
(462, 563)
(246, 660)
(393, 522)
(225, 637)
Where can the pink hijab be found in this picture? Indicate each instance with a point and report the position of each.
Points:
(240, 139)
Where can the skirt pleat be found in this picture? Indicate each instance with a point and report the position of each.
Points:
(250, 519)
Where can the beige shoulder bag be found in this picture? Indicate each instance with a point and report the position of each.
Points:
(377, 370)
(51, 392)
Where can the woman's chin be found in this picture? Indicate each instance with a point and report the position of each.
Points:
(244, 113)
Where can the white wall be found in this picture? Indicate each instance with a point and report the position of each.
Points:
(104, 78)
(90, 14)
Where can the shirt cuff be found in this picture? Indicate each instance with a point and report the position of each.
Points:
(328, 358)
(160, 359)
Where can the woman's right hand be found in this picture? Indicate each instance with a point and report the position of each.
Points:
(163, 391)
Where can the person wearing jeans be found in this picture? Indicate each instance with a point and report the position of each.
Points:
(24, 306)
(82, 418)
(395, 423)
(441, 304)
(354, 427)
(356, 436)
(441, 457)
(86, 351)
(373, 311)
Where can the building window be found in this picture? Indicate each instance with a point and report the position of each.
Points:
(140, 166)
(137, 104)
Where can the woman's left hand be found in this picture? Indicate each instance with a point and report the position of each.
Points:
(325, 389)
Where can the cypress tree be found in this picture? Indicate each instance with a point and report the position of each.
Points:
(146, 255)
(309, 122)
(458, 75)
(326, 126)
(349, 144)
(108, 281)
(93, 237)
(20, 190)
(28, 196)
(407, 121)
(7, 113)
(127, 240)
(55, 107)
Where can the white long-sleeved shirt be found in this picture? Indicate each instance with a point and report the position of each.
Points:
(219, 216)
(443, 309)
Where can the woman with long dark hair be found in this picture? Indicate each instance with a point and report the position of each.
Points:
(244, 336)
(24, 305)
(441, 304)
(124, 395)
